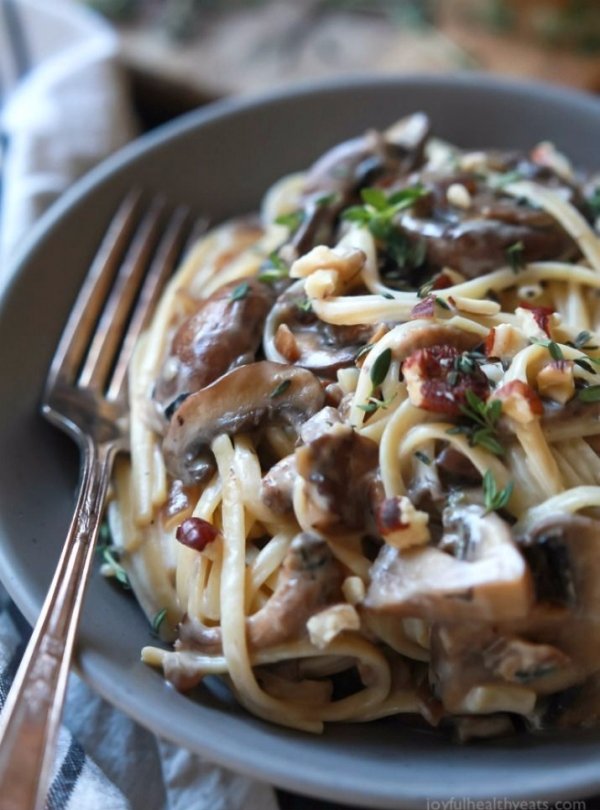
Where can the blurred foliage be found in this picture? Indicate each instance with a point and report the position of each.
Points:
(115, 9)
(557, 23)
(180, 19)
(573, 24)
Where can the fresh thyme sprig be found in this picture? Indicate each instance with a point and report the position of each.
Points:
(483, 418)
(111, 567)
(377, 214)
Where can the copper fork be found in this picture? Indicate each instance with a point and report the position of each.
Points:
(85, 395)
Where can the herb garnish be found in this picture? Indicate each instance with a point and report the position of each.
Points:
(115, 567)
(240, 292)
(515, 256)
(585, 365)
(304, 305)
(423, 457)
(377, 215)
(495, 498)
(593, 202)
(280, 389)
(273, 269)
(589, 394)
(158, 619)
(327, 199)
(380, 367)
(554, 349)
(373, 404)
(505, 179)
(293, 220)
(484, 416)
(581, 342)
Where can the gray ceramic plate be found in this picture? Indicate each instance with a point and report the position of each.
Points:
(219, 160)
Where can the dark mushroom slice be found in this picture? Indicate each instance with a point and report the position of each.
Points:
(562, 553)
(240, 401)
(310, 579)
(474, 245)
(486, 578)
(224, 332)
(277, 486)
(294, 334)
(338, 176)
(471, 658)
(474, 238)
(339, 470)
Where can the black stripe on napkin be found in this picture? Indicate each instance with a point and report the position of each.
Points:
(65, 780)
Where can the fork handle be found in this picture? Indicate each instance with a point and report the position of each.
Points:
(30, 721)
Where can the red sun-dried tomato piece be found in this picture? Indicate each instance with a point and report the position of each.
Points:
(196, 533)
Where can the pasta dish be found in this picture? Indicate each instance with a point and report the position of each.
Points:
(365, 433)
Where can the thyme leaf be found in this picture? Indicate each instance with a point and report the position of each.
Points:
(483, 417)
(158, 619)
(494, 498)
(292, 221)
(380, 367)
(240, 292)
(273, 269)
(280, 389)
(515, 256)
(589, 394)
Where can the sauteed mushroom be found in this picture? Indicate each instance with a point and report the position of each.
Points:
(487, 579)
(224, 332)
(239, 401)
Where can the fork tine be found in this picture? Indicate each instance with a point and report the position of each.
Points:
(111, 326)
(75, 337)
(162, 267)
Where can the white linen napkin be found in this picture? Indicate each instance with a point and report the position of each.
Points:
(69, 112)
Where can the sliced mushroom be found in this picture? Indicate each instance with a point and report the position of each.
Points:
(224, 332)
(318, 346)
(240, 401)
(473, 237)
(310, 579)
(487, 579)
(277, 486)
(563, 554)
(341, 172)
(338, 469)
(358, 162)
(553, 650)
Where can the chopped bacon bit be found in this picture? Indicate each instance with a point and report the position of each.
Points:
(196, 533)
(436, 382)
(388, 516)
(519, 401)
(541, 315)
(424, 309)
(441, 282)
